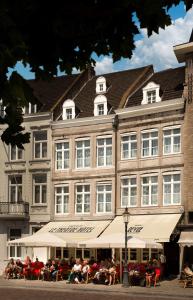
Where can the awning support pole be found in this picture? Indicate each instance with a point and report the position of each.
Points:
(121, 266)
(181, 258)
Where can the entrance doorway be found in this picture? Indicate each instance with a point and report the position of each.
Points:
(103, 254)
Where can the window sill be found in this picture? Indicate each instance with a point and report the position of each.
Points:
(39, 205)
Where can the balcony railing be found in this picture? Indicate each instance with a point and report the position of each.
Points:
(14, 209)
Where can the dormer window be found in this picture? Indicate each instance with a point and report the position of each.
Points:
(100, 108)
(100, 105)
(101, 86)
(151, 96)
(151, 93)
(69, 113)
(68, 110)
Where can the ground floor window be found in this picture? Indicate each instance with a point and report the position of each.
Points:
(83, 253)
(62, 253)
(14, 251)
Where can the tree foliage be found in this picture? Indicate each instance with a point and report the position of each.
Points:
(51, 34)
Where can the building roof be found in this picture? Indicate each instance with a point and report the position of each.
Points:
(118, 83)
(171, 86)
(48, 92)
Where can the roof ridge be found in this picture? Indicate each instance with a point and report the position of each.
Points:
(123, 71)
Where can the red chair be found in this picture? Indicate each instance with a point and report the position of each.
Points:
(156, 277)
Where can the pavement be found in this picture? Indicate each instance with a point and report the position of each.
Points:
(168, 288)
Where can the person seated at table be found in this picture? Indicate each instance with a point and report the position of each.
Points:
(75, 274)
(149, 273)
(188, 272)
(112, 274)
(45, 271)
(85, 271)
(10, 268)
(37, 266)
(18, 272)
(102, 273)
(53, 270)
(27, 268)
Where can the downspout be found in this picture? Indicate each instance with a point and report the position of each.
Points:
(115, 125)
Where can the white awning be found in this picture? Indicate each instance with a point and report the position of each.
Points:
(63, 234)
(39, 240)
(149, 227)
(117, 240)
(186, 238)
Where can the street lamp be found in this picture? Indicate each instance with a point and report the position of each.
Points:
(126, 217)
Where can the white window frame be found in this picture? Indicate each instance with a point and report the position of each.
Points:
(150, 87)
(171, 136)
(105, 192)
(65, 162)
(83, 202)
(129, 186)
(100, 100)
(68, 105)
(105, 146)
(150, 139)
(41, 185)
(101, 81)
(130, 142)
(150, 186)
(16, 247)
(172, 182)
(63, 194)
(17, 187)
(40, 142)
(84, 148)
(18, 153)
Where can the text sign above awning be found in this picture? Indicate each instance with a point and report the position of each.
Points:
(150, 227)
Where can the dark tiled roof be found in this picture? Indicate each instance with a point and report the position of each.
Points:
(117, 84)
(48, 92)
(171, 85)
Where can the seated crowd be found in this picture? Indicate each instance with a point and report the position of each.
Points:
(105, 271)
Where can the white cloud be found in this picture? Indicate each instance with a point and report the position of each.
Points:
(158, 49)
(104, 66)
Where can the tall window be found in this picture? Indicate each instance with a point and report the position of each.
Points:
(68, 113)
(101, 110)
(149, 190)
(15, 189)
(172, 189)
(61, 199)
(171, 140)
(40, 188)
(129, 146)
(83, 198)
(128, 192)
(62, 155)
(40, 144)
(14, 251)
(104, 152)
(15, 153)
(151, 96)
(150, 143)
(104, 198)
(83, 154)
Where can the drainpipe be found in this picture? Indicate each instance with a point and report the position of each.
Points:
(115, 125)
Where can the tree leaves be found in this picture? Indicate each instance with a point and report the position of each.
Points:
(65, 34)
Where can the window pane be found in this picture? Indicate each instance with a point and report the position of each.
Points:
(44, 189)
(37, 194)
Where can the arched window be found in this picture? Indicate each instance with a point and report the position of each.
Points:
(68, 110)
(101, 86)
(151, 93)
(100, 105)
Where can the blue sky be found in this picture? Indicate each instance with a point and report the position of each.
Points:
(156, 50)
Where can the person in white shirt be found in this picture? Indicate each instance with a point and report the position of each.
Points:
(75, 274)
